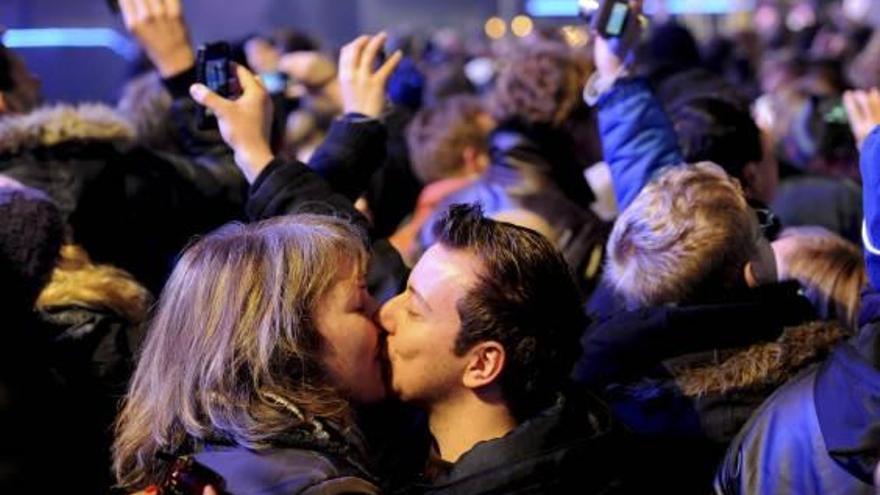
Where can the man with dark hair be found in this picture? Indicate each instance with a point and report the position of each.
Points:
(715, 129)
(482, 339)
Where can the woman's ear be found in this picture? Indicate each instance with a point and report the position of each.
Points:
(485, 364)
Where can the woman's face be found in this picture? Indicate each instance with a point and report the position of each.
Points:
(352, 351)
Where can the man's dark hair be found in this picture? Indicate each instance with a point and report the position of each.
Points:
(525, 298)
(714, 129)
(6, 83)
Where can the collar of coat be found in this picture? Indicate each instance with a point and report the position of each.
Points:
(56, 124)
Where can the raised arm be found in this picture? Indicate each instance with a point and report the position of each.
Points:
(863, 108)
(637, 136)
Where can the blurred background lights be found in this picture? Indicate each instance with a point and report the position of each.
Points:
(495, 28)
(522, 25)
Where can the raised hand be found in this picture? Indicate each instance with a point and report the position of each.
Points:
(610, 57)
(245, 123)
(159, 28)
(863, 108)
(362, 86)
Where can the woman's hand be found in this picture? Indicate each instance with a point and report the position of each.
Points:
(159, 28)
(245, 123)
(362, 87)
(863, 108)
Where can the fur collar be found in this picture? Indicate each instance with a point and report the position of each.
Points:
(762, 364)
(51, 125)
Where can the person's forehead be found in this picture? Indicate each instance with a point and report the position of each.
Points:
(442, 270)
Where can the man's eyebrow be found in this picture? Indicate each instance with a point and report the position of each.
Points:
(418, 297)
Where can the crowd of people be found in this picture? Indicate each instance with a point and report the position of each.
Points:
(430, 266)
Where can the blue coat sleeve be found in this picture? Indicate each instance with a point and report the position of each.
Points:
(870, 167)
(637, 137)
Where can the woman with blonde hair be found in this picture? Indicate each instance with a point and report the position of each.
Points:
(262, 339)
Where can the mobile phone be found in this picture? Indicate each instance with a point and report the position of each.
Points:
(214, 70)
(611, 17)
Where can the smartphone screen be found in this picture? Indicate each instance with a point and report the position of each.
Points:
(617, 19)
(213, 70)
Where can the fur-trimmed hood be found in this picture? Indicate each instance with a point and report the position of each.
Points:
(761, 365)
(56, 124)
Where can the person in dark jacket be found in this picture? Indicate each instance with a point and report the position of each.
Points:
(671, 355)
(125, 204)
(818, 433)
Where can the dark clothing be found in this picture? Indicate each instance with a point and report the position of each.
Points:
(817, 434)
(291, 187)
(534, 168)
(394, 189)
(283, 471)
(572, 447)
(632, 360)
(127, 206)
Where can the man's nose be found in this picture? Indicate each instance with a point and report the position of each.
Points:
(386, 313)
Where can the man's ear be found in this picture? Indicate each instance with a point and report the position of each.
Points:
(486, 360)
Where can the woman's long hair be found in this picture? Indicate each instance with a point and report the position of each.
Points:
(234, 338)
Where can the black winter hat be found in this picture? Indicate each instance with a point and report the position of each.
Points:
(31, 234)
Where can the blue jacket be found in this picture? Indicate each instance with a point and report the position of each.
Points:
(637, 137)
(820, 433)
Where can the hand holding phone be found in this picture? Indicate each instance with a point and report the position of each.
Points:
(245, 123)
(214, 70)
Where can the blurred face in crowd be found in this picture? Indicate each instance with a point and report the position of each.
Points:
(261, 55)
(352, 352)
(423, 323)
(25, 92)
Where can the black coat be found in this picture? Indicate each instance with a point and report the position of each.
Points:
(126, 205)
(572, 447)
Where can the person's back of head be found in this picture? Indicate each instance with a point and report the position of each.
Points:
(687, 237)
(233, 345)
(525, 298)
(714, 130)
(539, 83)
(447, 139)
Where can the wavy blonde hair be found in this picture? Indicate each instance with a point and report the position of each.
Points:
(687, 236)
(234, 339)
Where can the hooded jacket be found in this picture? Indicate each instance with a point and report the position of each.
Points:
(127, 205)
(817, 434)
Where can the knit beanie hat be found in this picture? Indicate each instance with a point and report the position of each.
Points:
(31, 234)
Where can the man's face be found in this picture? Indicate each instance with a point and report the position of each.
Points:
(423, 323)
